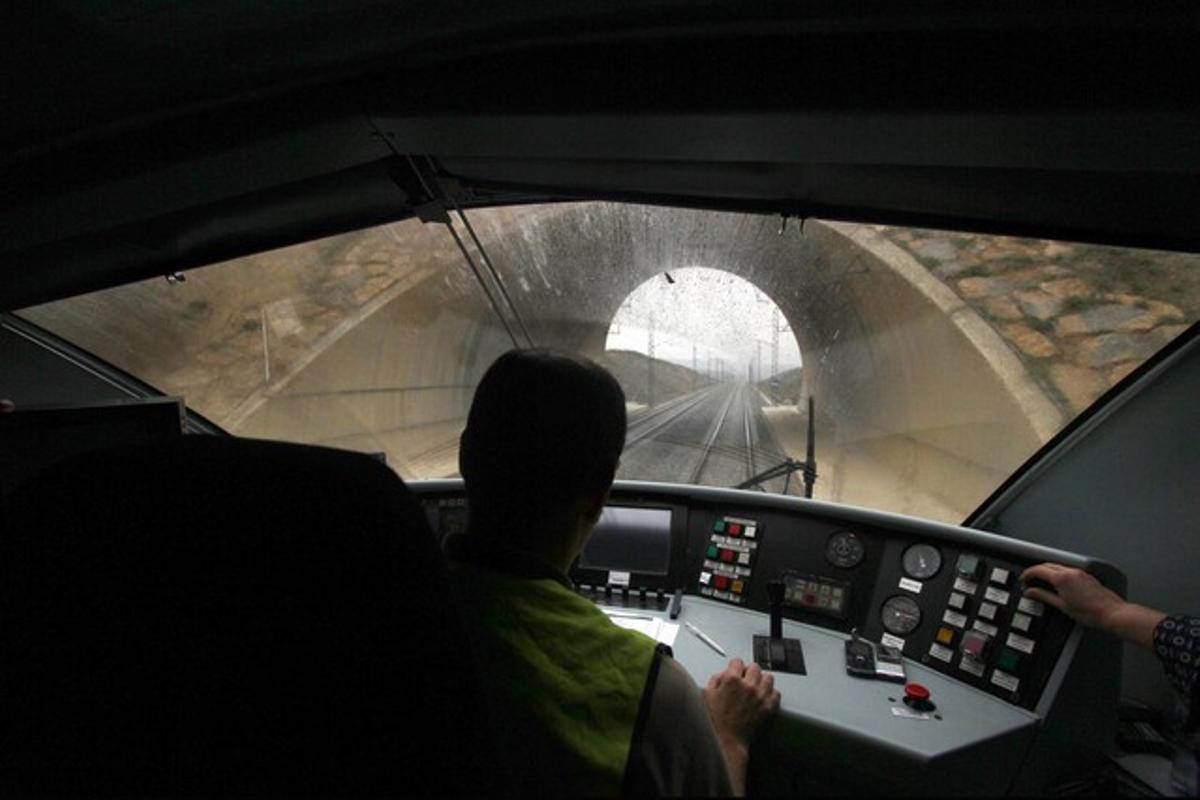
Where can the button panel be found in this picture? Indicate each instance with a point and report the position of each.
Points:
(729, 559)
(987, 632)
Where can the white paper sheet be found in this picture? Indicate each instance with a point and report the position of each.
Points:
(654, 627)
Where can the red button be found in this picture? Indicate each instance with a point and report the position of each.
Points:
(722, 581)
(916, 692)
(735, 529)
(728, 555)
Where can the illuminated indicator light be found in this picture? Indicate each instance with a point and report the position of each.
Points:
(719, 526)
(1009, 660)
(738, 586)
(705, 577)
(722, 581)
(712, 551)
(945, 635)
(750, 531)
(735, 529)
(975, 644)
(728, 555)
(743, 558)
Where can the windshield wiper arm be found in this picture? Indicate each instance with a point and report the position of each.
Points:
(789, 465)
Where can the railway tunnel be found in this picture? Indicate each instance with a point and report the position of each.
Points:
(919, 402)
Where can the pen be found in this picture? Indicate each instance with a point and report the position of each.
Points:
(704, 637)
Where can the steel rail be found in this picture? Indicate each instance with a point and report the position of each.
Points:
(710, 438)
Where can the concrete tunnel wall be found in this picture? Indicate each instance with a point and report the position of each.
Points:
(906, 377)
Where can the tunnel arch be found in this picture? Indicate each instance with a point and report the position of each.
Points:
(902, 370)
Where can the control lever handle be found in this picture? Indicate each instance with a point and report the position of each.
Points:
(775, 595)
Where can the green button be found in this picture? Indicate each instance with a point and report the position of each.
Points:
(968, 566)
(1009, 660)
(719, 526)
(712, 551)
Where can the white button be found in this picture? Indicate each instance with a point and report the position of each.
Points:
(997, 595)
(941, 653)
(972, 666)
(1000, 576)
(705, 578)
(987, 611)
(957, 600)
(1031, 606)
(966, 586)
(1005, 681)
(954, 618)
(749, 531)
(743, 558)
(1019, 642)
(985, 627)
(1021, 622)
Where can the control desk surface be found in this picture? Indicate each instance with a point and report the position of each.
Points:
(947, 598)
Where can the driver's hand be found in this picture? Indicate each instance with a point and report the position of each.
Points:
(1076, 593)
(739, 699)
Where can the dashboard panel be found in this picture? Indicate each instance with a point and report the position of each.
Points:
(947, 598)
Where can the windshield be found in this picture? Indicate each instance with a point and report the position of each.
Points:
(935, 362)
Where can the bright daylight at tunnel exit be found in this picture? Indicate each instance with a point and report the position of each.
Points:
(936, 362)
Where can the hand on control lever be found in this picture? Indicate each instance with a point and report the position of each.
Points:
(739, 699)
(1082, 598)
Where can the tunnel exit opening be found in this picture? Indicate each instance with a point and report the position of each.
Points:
(696, 326)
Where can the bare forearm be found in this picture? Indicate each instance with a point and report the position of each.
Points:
(1134, 623)
(737, 758)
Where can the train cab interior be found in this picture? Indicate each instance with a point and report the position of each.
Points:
(903, 300)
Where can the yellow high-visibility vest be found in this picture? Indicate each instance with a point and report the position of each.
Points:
(566, 682)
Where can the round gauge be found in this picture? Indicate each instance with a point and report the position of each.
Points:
(901, 615)
(844, 550)
(922, 561)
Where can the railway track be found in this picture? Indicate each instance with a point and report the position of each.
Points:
(663, 416)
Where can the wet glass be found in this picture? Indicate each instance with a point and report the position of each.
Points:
(937, 362)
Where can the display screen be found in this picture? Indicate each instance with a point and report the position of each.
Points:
(630, 540)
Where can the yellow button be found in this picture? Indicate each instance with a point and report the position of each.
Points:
(945, 635)
(738, 586)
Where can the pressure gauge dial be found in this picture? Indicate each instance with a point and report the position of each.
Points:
(901, 615)
(844, 550)
(922, 561)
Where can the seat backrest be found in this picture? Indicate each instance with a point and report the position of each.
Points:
(217, 616)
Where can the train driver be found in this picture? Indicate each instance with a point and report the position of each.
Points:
(586, 707)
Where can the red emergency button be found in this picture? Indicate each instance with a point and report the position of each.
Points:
(917, 696)
(722, 581)
(728, 555)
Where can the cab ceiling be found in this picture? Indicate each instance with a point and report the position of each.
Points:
(143, 137)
